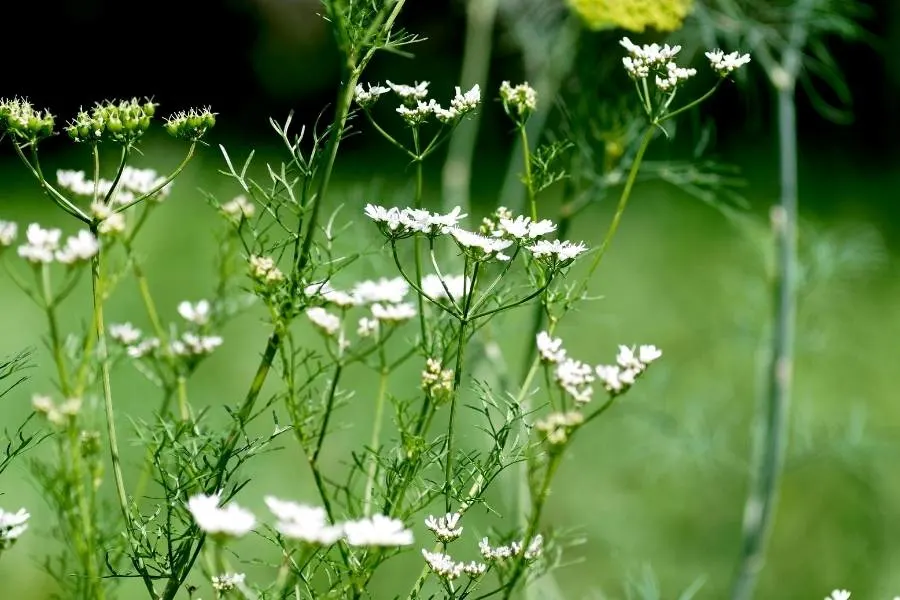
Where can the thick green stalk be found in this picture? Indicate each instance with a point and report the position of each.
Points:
(771, 439)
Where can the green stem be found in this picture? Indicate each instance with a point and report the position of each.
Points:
(529, 184)
(163, 183)
(54, 194)
(534, 523)
(56, 344)
(423, 325)
(620, 208)
(376, 440)
(771, 439)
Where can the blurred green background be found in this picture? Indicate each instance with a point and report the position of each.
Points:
(657, 486)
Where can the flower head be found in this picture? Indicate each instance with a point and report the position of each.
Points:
(445, 528)
(378, 530)
(724, 64)
(228, 521)
(305, 523)
(8, 233)
(12, 526)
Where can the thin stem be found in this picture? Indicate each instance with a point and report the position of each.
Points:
(103, 358)
(56, 344)
(376, 439)
(163, 183)
(620, 208)
(345, 97)
(534, 522)
(423, 325)
(692, 104)
(329, 409)
(122, 162)
(54, 194)
(529, 184)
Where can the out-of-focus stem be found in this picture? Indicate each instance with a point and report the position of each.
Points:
(376, 440)
(771, 439)
(457, 173)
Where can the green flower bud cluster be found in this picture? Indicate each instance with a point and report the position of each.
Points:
(21, 120)
(191, 125)
(122, 122)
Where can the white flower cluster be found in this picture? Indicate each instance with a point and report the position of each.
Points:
(414, 109)
(557, 426)
(12, 526)
(436, 287)
(724, 64)
(367, 97)
(8, 233)
(132, 184)
(519, 101)
(264, 270)
(576, 377)
(43, 246)
(445, 567)
(111, 222)
(648, 59)
(840, 595)
(227, 581)
(501, 553)
(189, 344)
(396, 223)
(437, 381)
(385, 298)
(238, 208)
(60, 414)
(445, 528)
(226, 521)
(310, 524)
(630, 364)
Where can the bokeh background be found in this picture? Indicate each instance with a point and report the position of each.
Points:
(655, 491)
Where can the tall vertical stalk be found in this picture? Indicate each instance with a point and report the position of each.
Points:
(457, 172)
(772, 422)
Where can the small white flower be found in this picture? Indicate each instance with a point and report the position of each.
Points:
(436, 289)
(575, 378)
(111, 222)
(392, 291)
(648, 353)
(521, 98)
(231, 520)
(125, 333)
(331, 295)
(556, 426)
(238, 208)
(550, 349)
(324, 320)
(41, 244)
(377, 531)
(78, 248)
(410, 93)
(264, 270)
(305, 523)
(227, 581)
(367, 327)
(556, 252)
(390, 217)
(723, 64)
(195, 313)
(366, 98)
(418, 114)
(443, 565)
(480, 246)
(444, 528)
(191, 344)
(143, 348)
(8, 233)
(838, 595)
(12, 526)
(395, 313)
